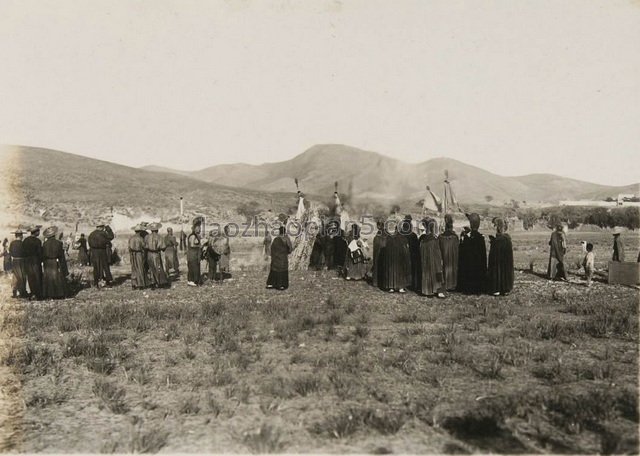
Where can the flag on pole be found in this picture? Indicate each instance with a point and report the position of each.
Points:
(432, 202)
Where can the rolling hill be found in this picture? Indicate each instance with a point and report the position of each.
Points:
(378, 177)
(50, 185)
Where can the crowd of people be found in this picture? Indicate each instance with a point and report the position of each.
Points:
(404, 256)
(431, 264)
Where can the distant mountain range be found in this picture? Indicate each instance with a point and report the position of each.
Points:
(378, 177)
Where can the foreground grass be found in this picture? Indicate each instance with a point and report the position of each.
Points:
(327, 366)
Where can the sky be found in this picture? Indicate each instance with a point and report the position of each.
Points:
(512, 86)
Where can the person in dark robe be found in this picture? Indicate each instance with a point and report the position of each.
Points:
(19, 284)
(171, 252)
(472, 258)
(449, 245)
(154, 246)
(316, 260)
(618, 246)
(558, 248)
(55, 271)
(379, 245)
(279, 271)
(137, 254)
(194, 254)
(397, 260)
(83, 253)
(212, 255)
(340, 250)
(406, 229)
(32, 248)
(99, 239)
(500, 260)
(355, 266)
(329, 245)
(432, 280)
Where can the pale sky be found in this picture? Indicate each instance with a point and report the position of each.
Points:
(515, 87)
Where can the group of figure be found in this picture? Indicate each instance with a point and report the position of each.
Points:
(147, 247)
(556, 269)
(215, 249)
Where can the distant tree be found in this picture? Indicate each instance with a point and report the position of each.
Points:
(529, 218)
(515, 204)
(488, 198)
(609, 199)
(395, 208)
(599, 216)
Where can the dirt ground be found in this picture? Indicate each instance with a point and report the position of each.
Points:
(327, 366)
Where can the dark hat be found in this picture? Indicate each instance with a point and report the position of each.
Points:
(474, 220)
(50, 232)
(408, 217)
(33, 229)
(18, 231)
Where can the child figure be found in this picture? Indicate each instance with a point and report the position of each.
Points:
(589, 263)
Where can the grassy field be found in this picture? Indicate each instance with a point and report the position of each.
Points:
(326, 366)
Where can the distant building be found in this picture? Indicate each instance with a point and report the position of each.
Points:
(623, 199)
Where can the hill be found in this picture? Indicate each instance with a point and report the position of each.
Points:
(50, 185)
(378, 177)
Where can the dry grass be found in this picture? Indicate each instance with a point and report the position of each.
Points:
(328, 366)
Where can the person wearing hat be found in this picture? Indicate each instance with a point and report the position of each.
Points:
(432, 280)
(472, 258)
(194, 253)
(618, 245)
(83, 252)
(500, 260)
(449, 245)
(171, 252)
(137, 255)
(32, 249)
(558, 249)
(154, 245)
(54, 282)
(281, 247)
(406, 229)
(99, 240)
(18, 285)
(379, 244)
(397, 259)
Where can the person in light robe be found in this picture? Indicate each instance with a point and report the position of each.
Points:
(137, 255)
(154, 246)
(558, 249)
(355, 266)
(55, 271)
(501, 273)
(449, 245)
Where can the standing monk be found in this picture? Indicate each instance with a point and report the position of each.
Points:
(224, 249)
(194, 254)
(618, 246)
(32, 248)
(397, 260)
(500, 261)
(54, 283)
(472, 258)
(432, 282)
(83, 253)
(279, 272)
(19, 286)
(137, 253)
(99, 239)
(406, 229)
(558, 249)
(171, 253)
(355, 267)
(379, 244)
(154, 245)
(449, 244)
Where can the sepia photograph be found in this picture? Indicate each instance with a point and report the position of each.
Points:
(319, 226)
